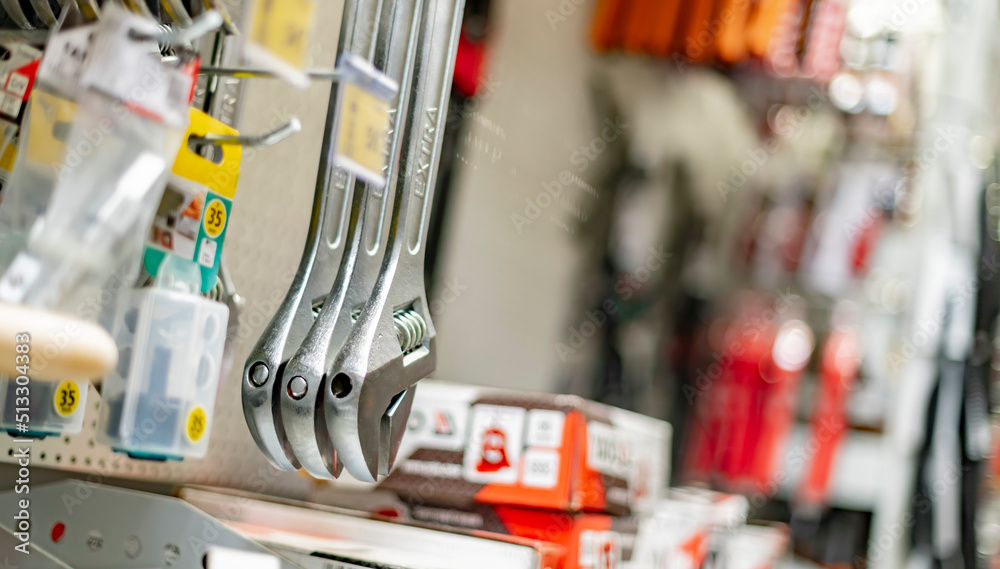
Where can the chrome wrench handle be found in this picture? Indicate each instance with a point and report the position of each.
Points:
(291, 321)
(393, 344)
(303, 375)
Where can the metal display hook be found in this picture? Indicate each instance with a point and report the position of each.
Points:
(252, 140)
(255, 73)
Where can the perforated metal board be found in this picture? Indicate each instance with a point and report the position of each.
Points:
(265, 238)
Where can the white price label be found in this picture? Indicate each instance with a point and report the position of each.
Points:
(545, 428)
(541, 468)
(10, 105)
(17, 84)
(206, 255)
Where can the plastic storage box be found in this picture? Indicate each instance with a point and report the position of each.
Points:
(50, 407)
(158, 402)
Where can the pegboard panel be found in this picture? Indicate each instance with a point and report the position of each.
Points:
(265, 239)
(232, 461)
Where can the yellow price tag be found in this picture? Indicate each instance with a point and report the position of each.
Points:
(284, 27)
(215, 218)
(197, 424)
(364, 125)
(67, 398)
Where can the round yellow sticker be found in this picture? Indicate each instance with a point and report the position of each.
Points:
(67, 398)
(215, 218)
(197, 422)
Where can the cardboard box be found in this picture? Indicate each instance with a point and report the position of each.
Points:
(590, 541)
(690, 529)
(469, 445)
(329, 538)
(725, 515)
(757, 546)
(678, 538)
(671, 539)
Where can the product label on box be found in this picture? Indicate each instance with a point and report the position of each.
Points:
(512, 445)
(675, 540)
(607, 451)
(541, 468)
(599, 550)
(545, 428)
(435, 426)
(493, 450)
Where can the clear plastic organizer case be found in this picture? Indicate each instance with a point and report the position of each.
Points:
(158, 402)
(50, 407)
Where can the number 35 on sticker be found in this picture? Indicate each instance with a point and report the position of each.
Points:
(197, 423)
(67, 398)
(215, 218)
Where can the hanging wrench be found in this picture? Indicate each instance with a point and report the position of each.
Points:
(392, 345)
(366, 243)
(316, 272)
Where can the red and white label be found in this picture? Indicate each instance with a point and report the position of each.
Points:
(600, 550)
(493, 451)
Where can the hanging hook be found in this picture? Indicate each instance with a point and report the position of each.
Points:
(252, 72)
(255, 140)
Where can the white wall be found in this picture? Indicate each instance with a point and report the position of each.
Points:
(532, 115)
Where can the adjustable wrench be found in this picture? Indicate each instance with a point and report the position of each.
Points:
(316, 272)
(365, 245)
(369, 388)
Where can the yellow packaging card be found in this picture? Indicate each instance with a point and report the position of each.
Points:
(221, 178)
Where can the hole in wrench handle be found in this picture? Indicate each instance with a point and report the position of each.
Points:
(341, 385)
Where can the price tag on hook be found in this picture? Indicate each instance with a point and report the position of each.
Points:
(363, 121)
(279, 37)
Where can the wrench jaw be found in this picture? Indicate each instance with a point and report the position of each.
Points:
(394, 423)
(367, 411)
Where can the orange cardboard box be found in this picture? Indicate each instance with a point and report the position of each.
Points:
(590, 541)
(469, 445)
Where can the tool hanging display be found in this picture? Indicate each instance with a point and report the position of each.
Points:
(330, 382)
